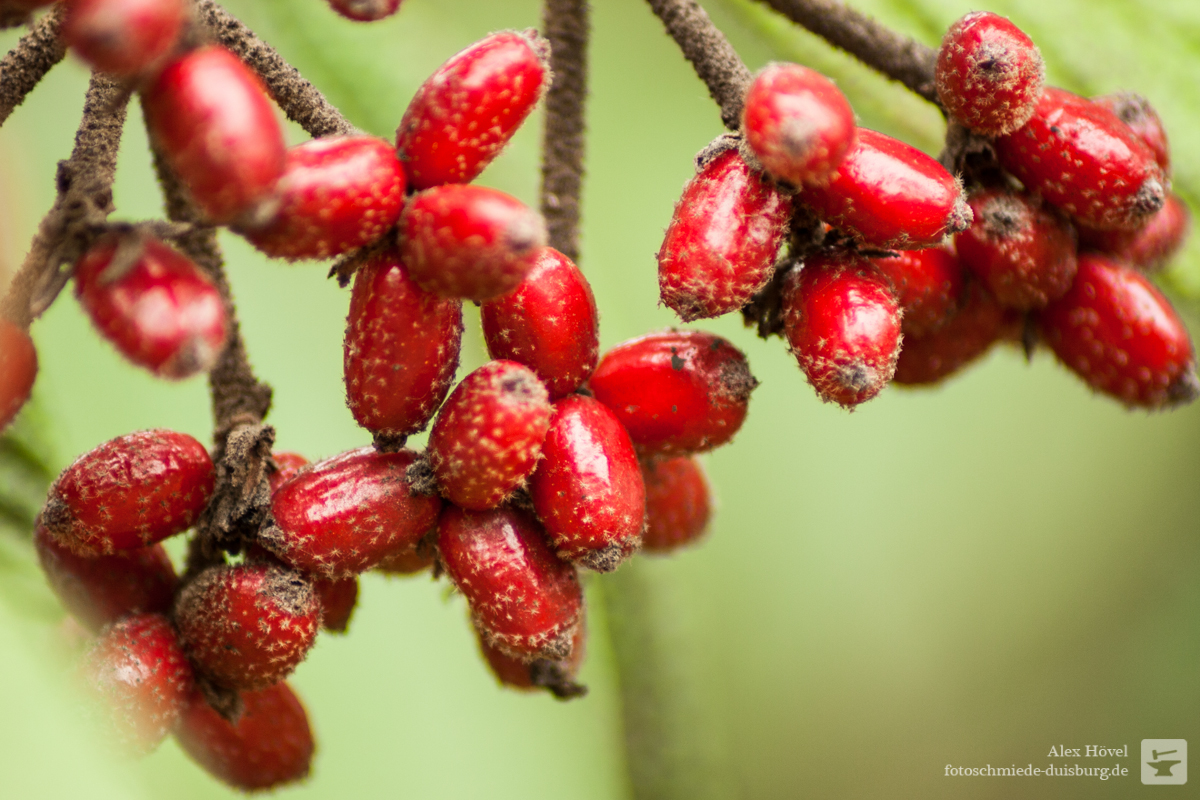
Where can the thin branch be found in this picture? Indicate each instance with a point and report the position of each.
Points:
(566, 26)
(26, 64)
(711, 54)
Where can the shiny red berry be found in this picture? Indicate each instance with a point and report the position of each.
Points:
(842, 323)
(1150, 247)
(721, 245)
(123, 37)
(679, 503)
(153, 303)
(989, 74)
(287, 465)
(891, 195)
(365, 10)
(464, 115)
(549, 323)
(1136, 112)
(929, 285)
(18, 369)
(130, 492)
(338, 597)
(556, 677)
(979, 324)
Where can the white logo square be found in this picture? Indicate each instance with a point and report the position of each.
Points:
(1164, 761)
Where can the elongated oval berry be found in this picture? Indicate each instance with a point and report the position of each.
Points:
(18, 370)
(401, 348)
(142, 677)
(153, 303)
(676, 392)
(130, 492)
(338, 597)
(287, 466)
(798, 124)
(487, 438)
(678, 503)
(1118, 333)
(1150, 247)
(549, 323)
(929, 285)
(365, 10)
(587, 490)
(336, 194)
(842, 323)
(465, 113)
(989, 74)
(556, 677)
(1136, 112)
(123, 37)
(469, 241)
(210, 115)
(1021, 251)
(890, 194)
(348, 513)
(1083, 159)
(523, 599)
(721, 245)
(931, 357)
(247, 627)
(271, 744)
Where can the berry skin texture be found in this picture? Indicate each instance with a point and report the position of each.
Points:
(928, 359)
(721, 245)
(487, 438)
(153, 303)
(465, 113)
(676, 392)
(18, 370)
(928, 283)
(470, 242)
(1080, 157)
(842, 323)
(142, 678)
(365, 10)
(287, 466)
(348, 513)
(271, 744)
(123, 37)
(679, 503)
(798, 123)
(587, 490)
(401, 348)
(989, 74)
(247, 627)
(338, 598)
(890, 195)
(523, 599)
(210, 115)
(1150, 247)
(130, 492)
(336, 194)
(1136, 112)
(1022, 251)
(1118, 333)
(549, 323)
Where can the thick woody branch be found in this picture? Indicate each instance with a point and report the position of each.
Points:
(26, 64)
(563, 142)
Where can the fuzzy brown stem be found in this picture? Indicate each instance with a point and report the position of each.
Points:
(26, 64)
(566, 24)
(711, 55)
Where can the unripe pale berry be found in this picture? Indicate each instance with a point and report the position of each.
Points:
(18, 370)
(1149, 247)
(365, 10)
(928, 283)
(123, 37)
(980, 323)
(679, 503)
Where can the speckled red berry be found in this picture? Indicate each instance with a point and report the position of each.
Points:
(464, 115)
(365, 10)
(979, 324)
(18, 370)
(338, 597)
(153, 303)
(842, 323)
(556, 677)
(549, 323)
(287, 466)
(679, 503)
(1136, 112)
(721, 245)
(989, 74)
(1118, 333)
(469, 241)
(130, 492)
(928, 283)
(346, 514)
(123, 37)
(1150, 247)
(401, 348)
(891, 195)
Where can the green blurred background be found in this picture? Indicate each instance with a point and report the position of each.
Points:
(962, 576)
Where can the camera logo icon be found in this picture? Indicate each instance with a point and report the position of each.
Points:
(1164, 762)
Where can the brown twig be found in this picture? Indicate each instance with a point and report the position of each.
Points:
(566, 26)
(26, 64)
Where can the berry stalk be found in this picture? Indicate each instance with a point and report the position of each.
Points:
(26, 64)
(567, 28)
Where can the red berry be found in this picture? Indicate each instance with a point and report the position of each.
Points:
(210, 115)
(401, 348)
(676, 392)
(271, 744)
(247, 627)
(989, 74)
(141, 675)
(523, 598)
(548, 323)
(929, 285)
(588, 490)
(18, 369)
(338, 598)
(720, 248)
(891, 195)
(678, 503)
(365, 10)
(1118, 333)
(555, 676)
(1136, 112)
(348, 513)
(464, 115)
(1149, 247)
(130, 492)
(101, 589)
(407, 562)
(1082, 158)
(336, 194)
(153, 303)
(123, 37)
(842, 323)
(287, 465)
(1023, 252)
(469, 241)
(798, 124)
(970, 333)
(486, 439)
